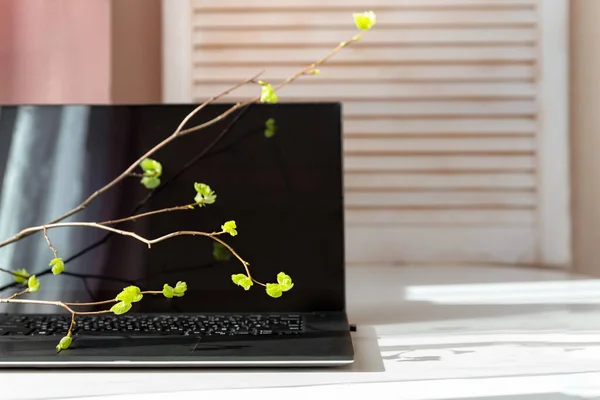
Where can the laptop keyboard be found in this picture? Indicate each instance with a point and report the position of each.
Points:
(204, 325)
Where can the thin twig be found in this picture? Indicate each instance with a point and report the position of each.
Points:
(67, 306)
(52, 248)
(97, 303)
(13, 273)
(148, 242)
(26, 232)
(146, 214)
(287, 81)
(15, 295)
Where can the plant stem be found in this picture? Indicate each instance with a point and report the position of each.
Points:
(287, 81)
(26, 232)
(146, 214)
(97, 303)
(14, 273)
(54, 251)
(18, 294)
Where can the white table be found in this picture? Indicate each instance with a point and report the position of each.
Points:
(423, 333)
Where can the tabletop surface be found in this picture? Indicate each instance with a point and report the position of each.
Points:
(447, 332)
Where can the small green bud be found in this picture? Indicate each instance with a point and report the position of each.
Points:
(168, 291)
(121, 307)
(267, 94)
(315, 72)
(131, 294)
(64, 343)
(364, 21)
(242, 280)
(150, 182)
(229, 227)
(220, 252)
(33, 284)
(204, 194)
(151, 167)
(274, 290)
(21, 275)
(270, 128)
(180, 289)
(284, 281)
(58, 266)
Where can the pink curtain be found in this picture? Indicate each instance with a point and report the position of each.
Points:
(55, 51)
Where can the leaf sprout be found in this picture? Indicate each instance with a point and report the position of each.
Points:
(152, 172)
(364, 21)
(33, 284)
(229, 227)
(267, 93)
(270, 128)
(58, 266)
(242, 280)
(204, 194)
(21, 276)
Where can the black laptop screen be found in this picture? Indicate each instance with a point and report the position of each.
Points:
(284, 190)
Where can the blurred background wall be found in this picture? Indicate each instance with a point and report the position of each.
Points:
(73, 51)
(479, 76)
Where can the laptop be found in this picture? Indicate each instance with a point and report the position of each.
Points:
(280, 181)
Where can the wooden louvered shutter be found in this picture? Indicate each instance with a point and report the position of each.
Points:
(454, 115)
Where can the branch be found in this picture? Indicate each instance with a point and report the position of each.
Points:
(287, 81)
(147, 214)
(148, 242)
(67, 306)
(26, 232)
(13, 273)
(54, 251)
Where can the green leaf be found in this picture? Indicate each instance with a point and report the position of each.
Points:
(220, 252)
(33, 284)
(267, 94)
(242, 280)
(274, 290)
(21, 275)
(151, 167)
(150, 182)
(364, 21)
(204, 194)
(64, 343)
(168, 291)
(284, 281)
(180, 289)
(270, 128)
(58, 266)
(121, 308)
(315, 71)
(229, 227)
(131, 294)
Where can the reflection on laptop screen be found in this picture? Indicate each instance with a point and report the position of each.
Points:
(284, 192)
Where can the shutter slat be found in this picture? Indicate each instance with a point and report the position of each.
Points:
(304, 56)
(457, 145)
(398, 37)
(386, 217)
(229, 75)
(439, 126)
(448, 109)
(367, 181)
(441, 198)
(441, 162)
(328, 19)
(208, 5)
(391, 91)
